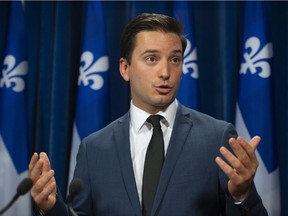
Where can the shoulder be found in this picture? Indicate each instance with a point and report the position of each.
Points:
(111, 128)
(196, 116)
(202, 121)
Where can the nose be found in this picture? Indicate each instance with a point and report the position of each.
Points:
(164, 71)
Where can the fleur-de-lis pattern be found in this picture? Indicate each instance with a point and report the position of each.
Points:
(190, 61)
(256, 58)
(90, 69)
(12, 74)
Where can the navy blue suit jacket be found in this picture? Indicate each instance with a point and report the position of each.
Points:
(191, 183)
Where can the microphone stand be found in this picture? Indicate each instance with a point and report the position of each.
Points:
(74, 189)
(9, 204)
(24, 186)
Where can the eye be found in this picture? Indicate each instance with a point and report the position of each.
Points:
(176, 60)
(151, 59)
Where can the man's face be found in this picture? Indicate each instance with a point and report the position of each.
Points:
(155, 70)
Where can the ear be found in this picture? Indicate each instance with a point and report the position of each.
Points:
(124, 69)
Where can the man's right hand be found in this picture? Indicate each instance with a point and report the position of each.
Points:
(44, 187)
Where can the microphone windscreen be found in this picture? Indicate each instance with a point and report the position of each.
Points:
(75, 186)
(24, 186)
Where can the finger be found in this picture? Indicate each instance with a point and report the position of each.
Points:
(46, 165)
(33, 161)
(250, 149)
(45, 193)
(36, 171)
(45, 187)
(255, 141)
(42, 183)
(240, 152)
(228, 170)
(232, 160)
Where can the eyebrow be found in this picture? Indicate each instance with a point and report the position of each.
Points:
(152, 51)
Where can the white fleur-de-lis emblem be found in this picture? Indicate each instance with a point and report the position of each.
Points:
(13, 74)
(256, 58)
(89, 70)
(190, 61)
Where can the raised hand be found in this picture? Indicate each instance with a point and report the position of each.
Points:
(44, 187)
(240, 167)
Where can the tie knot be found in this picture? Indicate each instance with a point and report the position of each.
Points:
(155, 120)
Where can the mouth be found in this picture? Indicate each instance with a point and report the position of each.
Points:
(163, 89)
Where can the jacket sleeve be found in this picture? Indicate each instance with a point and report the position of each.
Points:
(59, 208)
(251, 206)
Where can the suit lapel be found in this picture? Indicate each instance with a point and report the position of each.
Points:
(182, 126)
(121, 132)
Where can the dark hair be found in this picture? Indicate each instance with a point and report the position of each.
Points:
(148, 22)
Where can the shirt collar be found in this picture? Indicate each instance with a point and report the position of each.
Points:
(138, 116)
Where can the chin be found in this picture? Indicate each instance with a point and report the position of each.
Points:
(163, 102)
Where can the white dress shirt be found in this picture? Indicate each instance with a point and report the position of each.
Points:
(141, 133)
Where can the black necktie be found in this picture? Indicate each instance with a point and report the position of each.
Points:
(153, 164)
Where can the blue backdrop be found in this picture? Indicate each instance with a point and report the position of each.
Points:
(54, 49)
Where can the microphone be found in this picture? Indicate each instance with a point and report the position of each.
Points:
(24, 186)
(74, 189)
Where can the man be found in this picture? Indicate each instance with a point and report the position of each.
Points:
(194, 180)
